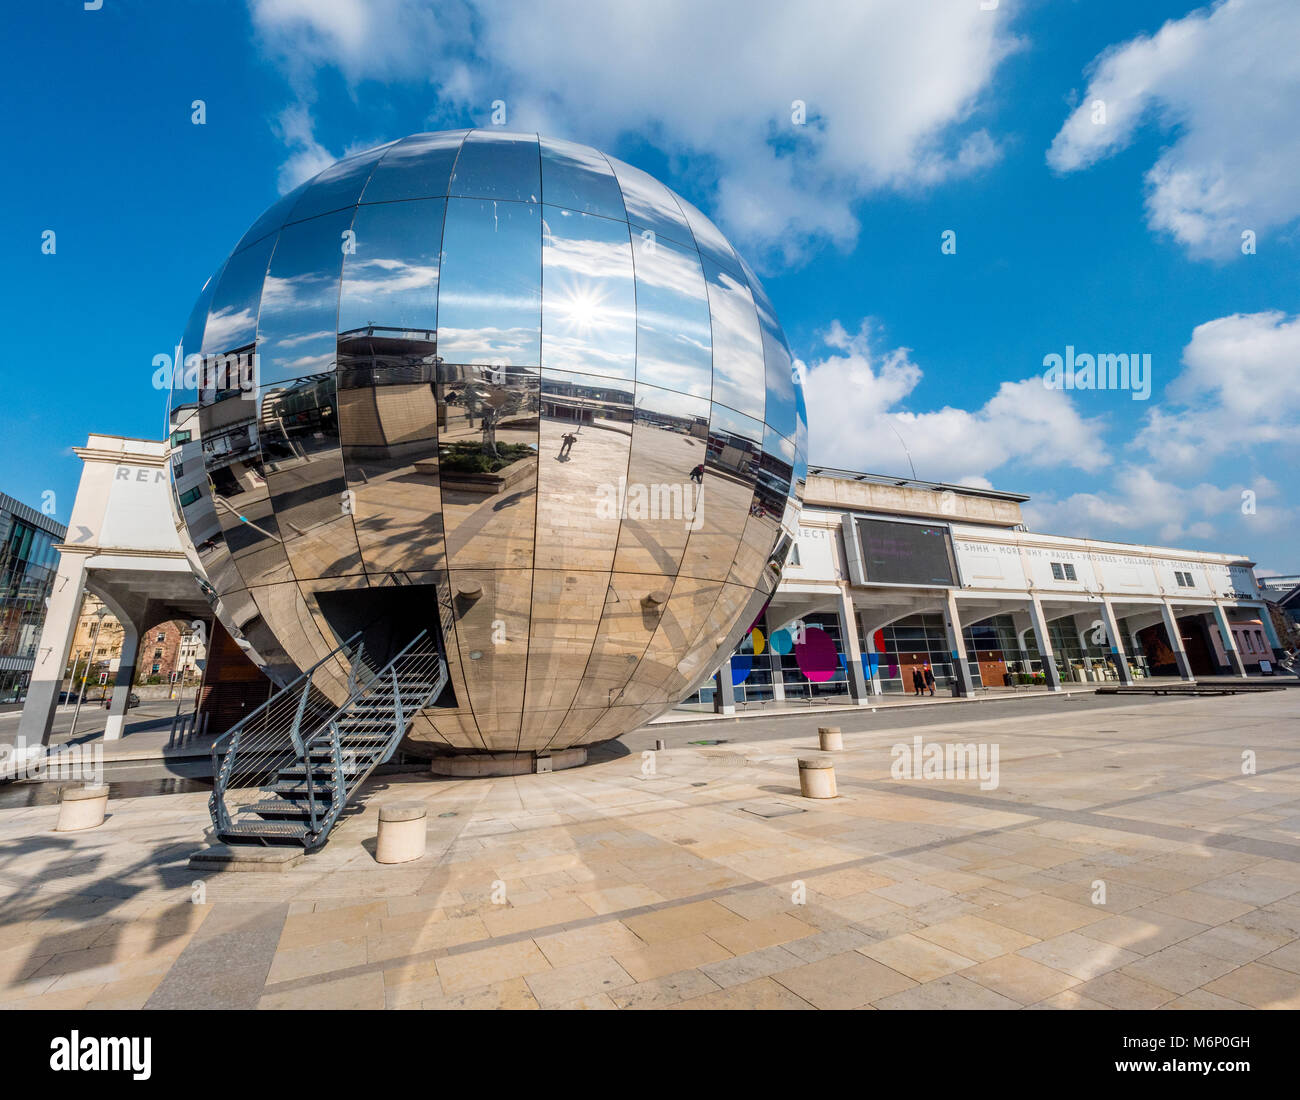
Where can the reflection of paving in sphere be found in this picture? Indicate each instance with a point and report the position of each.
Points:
(514, 392)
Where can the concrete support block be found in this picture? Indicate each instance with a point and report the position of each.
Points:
(402, 832)
(832, 740)
(816, 777)
(81, 808)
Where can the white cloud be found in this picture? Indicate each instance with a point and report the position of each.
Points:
(854, 400)
(306, 155)
(713, 83)
(1239, 390)
(1139, 501)
(1225, 82)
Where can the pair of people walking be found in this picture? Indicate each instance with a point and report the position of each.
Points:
(922, 681)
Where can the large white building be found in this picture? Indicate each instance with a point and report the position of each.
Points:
(892, 576)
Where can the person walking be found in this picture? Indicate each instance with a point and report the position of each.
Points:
(697, 474)
(929, 679)
(566, 444)
(918, 682)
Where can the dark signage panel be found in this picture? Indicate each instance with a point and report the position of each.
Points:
(906, 553)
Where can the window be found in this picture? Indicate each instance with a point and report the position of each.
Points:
(1250, 643)
(180, 437)
(1184, 579)
(156, 668)
(161, 637)
(1063, 571)
(794, 555)
(189, 497)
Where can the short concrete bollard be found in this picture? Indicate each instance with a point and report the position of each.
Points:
(816, 777)
(401, 832)
(81, 808)
(660, 744)
(831, 738)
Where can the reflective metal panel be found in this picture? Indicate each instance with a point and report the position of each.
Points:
(634, 604)
(657, 678)
(738, 380)
(579, 178)
(566, 608)
(650, 205)
(304, 473)
(232, 318)
(730, 479)
(586, 431)
(387, 355)
(487, 458)
(233, 459)
(489, 304)
(274, 218)
(778, 364)
(297, 330)
(674, 341)
(416, 167)
(492, 610)
(494, 164)
(709, 240)
(589, 309)
(669, 441)
(390, 283)
(338, 186)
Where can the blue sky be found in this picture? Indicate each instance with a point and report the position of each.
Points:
(1122, 235)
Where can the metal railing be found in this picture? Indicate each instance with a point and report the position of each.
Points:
(269, 739)
(300, 727)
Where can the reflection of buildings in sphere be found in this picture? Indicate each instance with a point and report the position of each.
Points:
(386, 472)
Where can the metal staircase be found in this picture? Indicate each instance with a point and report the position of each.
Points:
(286, 772)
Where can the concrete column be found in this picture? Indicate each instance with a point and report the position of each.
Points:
(869, 640)
(957, 645)
(1266, 621)
(117, 708)
(1228, 642)
(774, 663)
(724, 695)
(1043, 640)
(1082, 634)
(852, 649)
(1116, 640)
(1176, 641)
(52, 651)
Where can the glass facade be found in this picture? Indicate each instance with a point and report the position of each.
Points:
(28, 564)
(523, 377)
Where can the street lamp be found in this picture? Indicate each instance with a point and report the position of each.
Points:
(100, 616)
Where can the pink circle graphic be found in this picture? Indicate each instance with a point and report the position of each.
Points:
(816, 655)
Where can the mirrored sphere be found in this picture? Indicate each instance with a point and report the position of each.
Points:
(505, 389)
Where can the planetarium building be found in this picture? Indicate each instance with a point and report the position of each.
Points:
(508, 396)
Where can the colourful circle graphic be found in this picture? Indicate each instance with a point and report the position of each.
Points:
(816, 655)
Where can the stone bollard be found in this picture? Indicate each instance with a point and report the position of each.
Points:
(831, 738)
(660, 744)
(816, 777)
(401, 832)
(81, 808)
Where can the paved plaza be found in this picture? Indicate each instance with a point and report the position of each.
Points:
(1127, 858)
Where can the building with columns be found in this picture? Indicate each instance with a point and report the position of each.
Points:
(891, 576)
(887, 577)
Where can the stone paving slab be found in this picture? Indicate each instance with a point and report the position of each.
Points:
(1124, 860)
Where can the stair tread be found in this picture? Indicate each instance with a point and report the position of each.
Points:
(265, 828)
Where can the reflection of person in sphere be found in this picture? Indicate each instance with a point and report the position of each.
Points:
(697, 474)
(567, 440)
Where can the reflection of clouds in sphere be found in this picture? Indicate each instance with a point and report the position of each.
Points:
(483, 421)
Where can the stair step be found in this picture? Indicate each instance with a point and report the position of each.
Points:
(295, 790)
(282, 807)
(282, 829)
